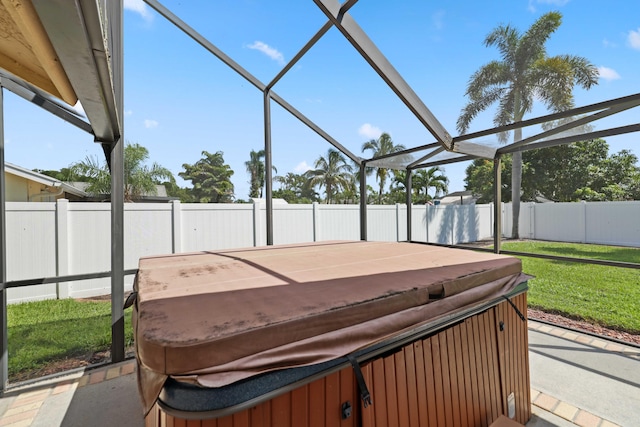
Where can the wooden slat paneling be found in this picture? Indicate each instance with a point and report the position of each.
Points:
(421, 383)
(316, 412)
(368, 413)
(492, 365)
(402, 388)
(331, 399)
(453, 376)
(467, 335)
(412, 388)
(300, 406)
(462, 379)
(392, 395)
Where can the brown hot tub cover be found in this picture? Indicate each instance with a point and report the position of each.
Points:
(217, 317)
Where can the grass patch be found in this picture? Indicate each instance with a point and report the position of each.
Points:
(43, 332)
(608, 296)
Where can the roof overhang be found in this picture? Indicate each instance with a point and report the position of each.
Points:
(42, 179)
(31, 175)
(61, 47)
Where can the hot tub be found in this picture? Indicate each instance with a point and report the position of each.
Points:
(335, 333)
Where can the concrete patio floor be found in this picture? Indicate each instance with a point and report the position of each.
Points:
(576, 379)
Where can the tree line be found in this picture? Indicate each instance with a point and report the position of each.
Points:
(333, 179)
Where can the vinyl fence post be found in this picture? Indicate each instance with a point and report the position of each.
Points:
(62, 247)
(453, 224)
(584, 221)
(491, 217)
(176, 226)
(532, 220)
(397, 222)
(257, 229)
(316, 223)
(426, 222)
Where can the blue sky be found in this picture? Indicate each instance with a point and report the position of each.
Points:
(181, 100)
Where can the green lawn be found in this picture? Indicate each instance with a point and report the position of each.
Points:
(45, 331)
(609, 296)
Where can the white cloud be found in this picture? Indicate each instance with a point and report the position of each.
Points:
(150, 124)
(267, 50)
(634, 39)
(438, 19)
(608, 73)
(302, 167)
(607, 43)
(532, 3)
(139, 7)
(369, 131)
(128, 113)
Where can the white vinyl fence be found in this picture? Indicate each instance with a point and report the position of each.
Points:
(62, 238)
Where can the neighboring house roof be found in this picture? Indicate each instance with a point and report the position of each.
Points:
(78, 189)
(458, 198)
(42, 179)
(160, 196)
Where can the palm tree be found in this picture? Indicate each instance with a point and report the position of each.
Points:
(296, 185)
(524, 74)
(255, 169)
(422, 180)
(331, 172)
(434, 177)
(139, 178)
(380, 147)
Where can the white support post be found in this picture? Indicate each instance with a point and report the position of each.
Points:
(176, 225)
(62, 247)
(397, 222)
(532, 220)
(583, 218)
(426, 221)
(503, 210)
(257, 224)
(491, 218)
(453, 224)
(316, 221)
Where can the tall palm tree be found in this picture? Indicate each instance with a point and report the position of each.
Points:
(379, 147)
(524, 73)
(139, 178)
(331, 172)
(255, 169)
(421, 181)
(425, 179)
(297, 184)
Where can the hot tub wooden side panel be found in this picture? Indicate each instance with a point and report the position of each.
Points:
(461, 376)
(513, 348)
